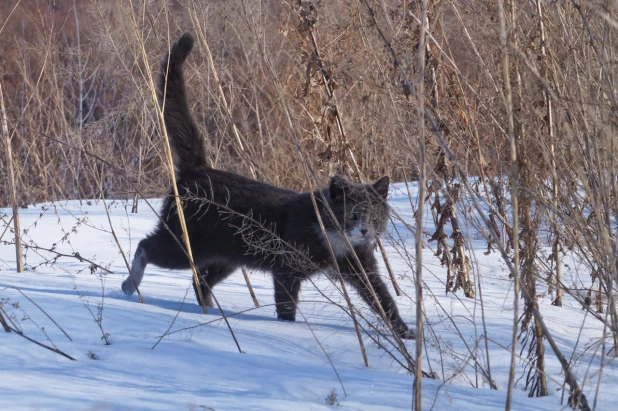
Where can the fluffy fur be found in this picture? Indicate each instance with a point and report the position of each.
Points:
(234, 221)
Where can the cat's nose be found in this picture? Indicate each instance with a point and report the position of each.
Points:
(363, 231)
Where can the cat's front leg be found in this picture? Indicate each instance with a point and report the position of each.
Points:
(287, 288)
(371, 281)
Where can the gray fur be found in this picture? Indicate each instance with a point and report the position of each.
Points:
(130, 284)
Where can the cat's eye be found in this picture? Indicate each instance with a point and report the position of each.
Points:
(350, 215)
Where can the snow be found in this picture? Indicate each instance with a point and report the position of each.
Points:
(283, 366)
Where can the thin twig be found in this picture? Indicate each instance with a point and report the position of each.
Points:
(422, 49)
(8, 328)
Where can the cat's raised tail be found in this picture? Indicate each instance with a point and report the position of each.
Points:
(185, 139)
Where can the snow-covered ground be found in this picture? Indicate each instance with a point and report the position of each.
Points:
(283, 366)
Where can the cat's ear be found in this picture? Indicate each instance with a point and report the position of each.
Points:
(338, 187)
(381, 187)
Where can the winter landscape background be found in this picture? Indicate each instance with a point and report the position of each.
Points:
(501, 115)
(196, 365)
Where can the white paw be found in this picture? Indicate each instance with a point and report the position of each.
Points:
(127, 286)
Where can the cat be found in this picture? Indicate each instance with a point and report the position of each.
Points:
(234, 221)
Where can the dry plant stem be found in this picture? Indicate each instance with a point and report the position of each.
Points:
(98, 319)
(400, 344)
(241, 149)
(492, 384)
(331, 96)
(558, 381)
(391, 273)
(167, 332)
(76, 255)
(44, 312)
(124, 257)
(5, 325)
(170, 164)
(463, 271)
(330, 361)
(427, 112)
(202, 36)
(365, 278)
(550, 125)
(537, 382)
(508, 102)
(588, 188)
(599, 199)
(13, 195)
(9, 16)
(170, 161)
(6, 227)
(341, 283)
(4, 130)
(570, 377)
(604, 339)
(422, 49)
(463, 339)
(390, 48)
(306, 169)
(139, 179)
(603, 199)
(8, 328)
(255, 300)
(576, 392)
(129, 181)
(80, 103)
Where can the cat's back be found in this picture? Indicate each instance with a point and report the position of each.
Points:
(237, 191)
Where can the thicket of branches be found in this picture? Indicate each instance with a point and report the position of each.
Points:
(519, 96)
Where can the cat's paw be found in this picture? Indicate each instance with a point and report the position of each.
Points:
(409, 334)
(286, 311)
(401, 328)
(128, 287)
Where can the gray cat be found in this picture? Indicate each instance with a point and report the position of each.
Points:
(234, 221)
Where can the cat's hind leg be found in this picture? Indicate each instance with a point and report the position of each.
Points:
(209, 276)
(160, 249)
(138, 265)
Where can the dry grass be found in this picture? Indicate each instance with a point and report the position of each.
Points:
(83, 123)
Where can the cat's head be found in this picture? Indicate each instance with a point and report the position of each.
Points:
(361, 211)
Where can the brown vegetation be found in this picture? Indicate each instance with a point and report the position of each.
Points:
(540, 108)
